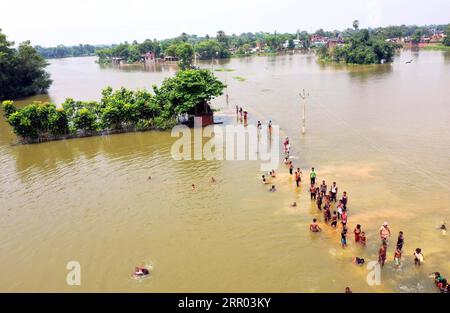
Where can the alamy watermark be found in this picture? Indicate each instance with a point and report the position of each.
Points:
(73, 277)
(230, 142)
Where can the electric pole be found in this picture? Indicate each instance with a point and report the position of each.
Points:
(304, 95)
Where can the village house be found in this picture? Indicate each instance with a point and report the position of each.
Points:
(148, 57)
(318, 40)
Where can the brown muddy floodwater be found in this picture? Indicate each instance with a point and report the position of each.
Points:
(382, 132)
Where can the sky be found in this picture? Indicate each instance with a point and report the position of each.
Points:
(52, 22)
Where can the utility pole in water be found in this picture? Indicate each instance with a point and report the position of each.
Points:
(304, 95)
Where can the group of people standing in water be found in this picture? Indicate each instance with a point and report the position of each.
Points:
(326, 196)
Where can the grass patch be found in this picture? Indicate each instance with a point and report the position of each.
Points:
(439, 47)
(240, 78)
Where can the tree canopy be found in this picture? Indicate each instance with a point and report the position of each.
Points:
(22, 70)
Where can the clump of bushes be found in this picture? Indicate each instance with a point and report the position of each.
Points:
(117, 111)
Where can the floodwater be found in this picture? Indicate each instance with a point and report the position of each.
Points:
(381, 132)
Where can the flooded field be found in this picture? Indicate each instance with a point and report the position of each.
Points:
(380, 131)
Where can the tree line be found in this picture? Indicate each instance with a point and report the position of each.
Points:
(118, 110)
(61, 51)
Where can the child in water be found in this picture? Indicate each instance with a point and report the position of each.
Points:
(382, 254)
(357, 231)
(418, 257)
(400, 241)
(312, 191)
(314, 227)
(334, 219)
(397, 257)
(362, 239)
(344, 237)
(319, 201)
(140, 272)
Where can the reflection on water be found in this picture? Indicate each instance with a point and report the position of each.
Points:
(380, 131)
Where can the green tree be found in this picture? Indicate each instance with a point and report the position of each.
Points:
(208, 49)
(222, 38)
(185, 53)
(291, 44)
(58, 123)
(446, 40)
(416, 36)
(85, 120)
(22, 70)
(188, 90)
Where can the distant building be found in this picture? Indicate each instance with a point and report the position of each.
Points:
(438, 37)
(148, 57)
(170, 58)
(297, 44)
(318, 40)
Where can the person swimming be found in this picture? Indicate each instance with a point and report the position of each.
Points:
(263, 179)
(359, 261)
(149, 178)
(273, 189)
(140, 271)
(213, 180)
(294, 204)
(272, 173)
(443, 228)
(314, 227)
(348, 290)
(193, 187)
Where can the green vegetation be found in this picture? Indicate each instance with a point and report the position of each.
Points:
(360, 48)
(446, 41)
(438, 47)
(121, 110)
(22, 70)
(240, 78)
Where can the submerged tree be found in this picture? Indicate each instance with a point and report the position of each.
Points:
(188, 91)
(22, 70)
